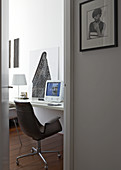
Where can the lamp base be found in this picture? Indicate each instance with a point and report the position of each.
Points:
(21, 98)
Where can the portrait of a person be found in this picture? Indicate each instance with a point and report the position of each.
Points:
(97, 27)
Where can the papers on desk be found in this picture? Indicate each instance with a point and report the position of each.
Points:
(54, 104)
(48, 103)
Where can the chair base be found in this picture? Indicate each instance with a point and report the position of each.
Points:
(14, 121)
(38, 151)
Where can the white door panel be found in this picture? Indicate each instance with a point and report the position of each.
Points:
(4, 120)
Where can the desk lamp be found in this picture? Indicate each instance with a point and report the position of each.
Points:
(19, 79)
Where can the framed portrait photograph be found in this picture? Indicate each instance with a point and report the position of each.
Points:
(98, 24)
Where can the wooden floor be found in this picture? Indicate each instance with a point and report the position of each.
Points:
(34, 162)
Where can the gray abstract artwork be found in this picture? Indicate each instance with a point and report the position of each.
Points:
(16, 53)
(9, 53)
(41, 75)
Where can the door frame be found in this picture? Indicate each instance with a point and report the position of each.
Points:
(68, 90)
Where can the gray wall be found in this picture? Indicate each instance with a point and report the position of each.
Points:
(97, 104)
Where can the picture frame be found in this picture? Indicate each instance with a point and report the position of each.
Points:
(16, 53)
(98, 24)
(9, 53)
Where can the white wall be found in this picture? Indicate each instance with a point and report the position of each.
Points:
(39, 25)
(97, 104)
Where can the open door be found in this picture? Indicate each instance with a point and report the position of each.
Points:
(4, 121)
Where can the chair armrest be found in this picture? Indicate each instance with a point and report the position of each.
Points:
(53, 126)
(52, 120)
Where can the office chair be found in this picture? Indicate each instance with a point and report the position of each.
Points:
(34, 129)
(13, 116)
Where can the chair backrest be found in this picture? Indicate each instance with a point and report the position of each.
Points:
(27, 119)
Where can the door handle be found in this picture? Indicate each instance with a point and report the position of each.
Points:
(7, 87)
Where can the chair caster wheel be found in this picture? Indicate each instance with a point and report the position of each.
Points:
(46, 167)
(32, 151)
(59, 155)
(17, 162)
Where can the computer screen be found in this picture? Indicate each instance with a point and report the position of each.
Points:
(54, 91)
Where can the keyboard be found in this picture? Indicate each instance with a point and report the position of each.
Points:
(47, 102)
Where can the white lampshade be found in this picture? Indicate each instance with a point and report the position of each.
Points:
(19, 79)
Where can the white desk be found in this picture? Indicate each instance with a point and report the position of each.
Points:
(47, 112)
(38, 103)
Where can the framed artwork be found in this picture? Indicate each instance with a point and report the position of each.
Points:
(16, 53)
(98, 24)
(9, 53)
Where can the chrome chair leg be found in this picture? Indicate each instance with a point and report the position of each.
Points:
(22, 156)
(43, 158)
(33, 149)
(17, 131)
(58, 153)
(39, 152)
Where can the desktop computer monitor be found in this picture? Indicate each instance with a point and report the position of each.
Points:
(54, 91)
